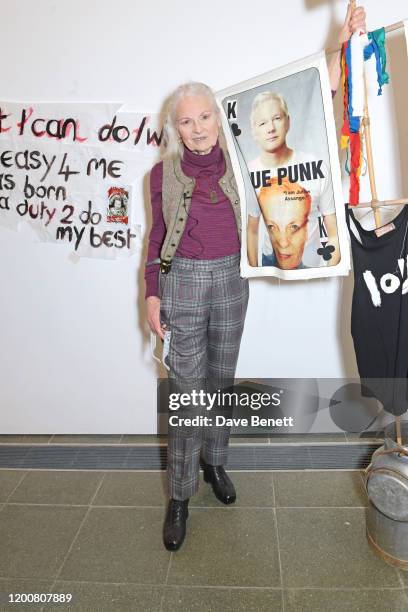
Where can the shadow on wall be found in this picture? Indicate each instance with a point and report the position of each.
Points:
(337, 14)
(141, 312)
(345, 284)
(398, 65)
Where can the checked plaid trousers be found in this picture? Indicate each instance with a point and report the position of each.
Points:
(203, 304)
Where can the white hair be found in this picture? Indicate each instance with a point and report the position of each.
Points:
(267, 96)
(172, 143)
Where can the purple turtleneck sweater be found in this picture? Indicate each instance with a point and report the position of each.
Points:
(211, 229)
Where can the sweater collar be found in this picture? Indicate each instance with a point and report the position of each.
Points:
(214, 157)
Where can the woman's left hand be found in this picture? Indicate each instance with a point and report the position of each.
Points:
(153, 316)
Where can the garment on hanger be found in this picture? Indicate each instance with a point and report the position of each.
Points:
(379, 317)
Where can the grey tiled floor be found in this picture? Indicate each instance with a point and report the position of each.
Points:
(293, 542)
(116, 439)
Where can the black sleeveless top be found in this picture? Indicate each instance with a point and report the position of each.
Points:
(379, 316)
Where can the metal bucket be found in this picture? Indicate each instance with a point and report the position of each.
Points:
(386, 481)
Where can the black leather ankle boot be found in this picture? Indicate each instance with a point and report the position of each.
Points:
(174, 530)
(221, 483)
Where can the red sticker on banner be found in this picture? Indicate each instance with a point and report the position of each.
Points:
(117, 211)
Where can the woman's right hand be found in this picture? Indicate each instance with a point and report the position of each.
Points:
(153, 315)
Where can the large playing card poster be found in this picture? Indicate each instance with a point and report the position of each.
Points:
(281, 135)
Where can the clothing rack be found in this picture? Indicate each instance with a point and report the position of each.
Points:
(375, 202)
(381, 203)
(391, 28)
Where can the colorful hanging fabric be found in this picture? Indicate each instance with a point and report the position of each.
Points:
(345, 130)
(356, 48)
(353, 89)
(377, 46)
(350, 132)
(354, 120)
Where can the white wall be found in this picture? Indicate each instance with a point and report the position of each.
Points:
(74, 344)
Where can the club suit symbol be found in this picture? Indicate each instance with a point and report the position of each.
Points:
(235, 129)
(326, 251)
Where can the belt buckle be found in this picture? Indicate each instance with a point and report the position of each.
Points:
(165, 266)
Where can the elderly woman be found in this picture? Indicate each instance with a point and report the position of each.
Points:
(196, 298)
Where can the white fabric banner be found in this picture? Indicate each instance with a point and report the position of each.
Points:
(281, 135)
(74, 173)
